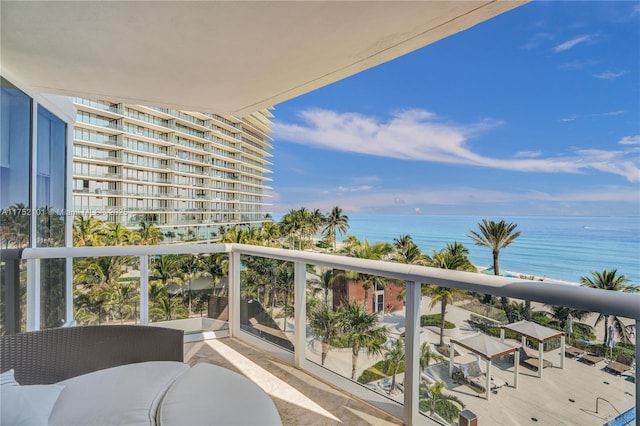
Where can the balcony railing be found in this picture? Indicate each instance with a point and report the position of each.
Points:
(605, 302)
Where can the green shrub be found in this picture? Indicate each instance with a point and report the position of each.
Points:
(377, 371)
(434, 321)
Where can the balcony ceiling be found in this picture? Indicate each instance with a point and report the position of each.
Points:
(232, 57)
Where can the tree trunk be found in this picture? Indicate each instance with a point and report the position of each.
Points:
(354, 361)
(443, 311)
(325, 350)
(366, 299)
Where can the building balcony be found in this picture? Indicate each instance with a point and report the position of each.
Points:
(266, 338)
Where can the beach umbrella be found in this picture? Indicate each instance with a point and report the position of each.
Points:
(569, 325)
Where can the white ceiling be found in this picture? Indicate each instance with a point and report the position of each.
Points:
(231, 57)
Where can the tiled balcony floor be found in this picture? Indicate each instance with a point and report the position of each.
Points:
(301, 399)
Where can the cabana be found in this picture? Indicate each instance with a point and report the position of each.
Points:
(488, 348)
(539, 333)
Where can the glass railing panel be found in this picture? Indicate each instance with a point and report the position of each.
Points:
(589, 380)
(266, 299)
(106, 289)
(189, 292)
(355, 326)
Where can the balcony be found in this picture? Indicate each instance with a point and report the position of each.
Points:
(263, 344)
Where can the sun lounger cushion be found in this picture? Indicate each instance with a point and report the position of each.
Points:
(123, 395)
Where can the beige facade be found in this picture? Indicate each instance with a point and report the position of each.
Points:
(186, 172)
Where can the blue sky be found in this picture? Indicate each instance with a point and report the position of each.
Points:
(535, 112)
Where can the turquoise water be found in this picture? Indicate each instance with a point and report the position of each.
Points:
(562, 248)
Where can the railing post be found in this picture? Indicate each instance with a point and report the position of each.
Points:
(300, 312)
(144, 289)
(412, 353)
(234, 294)
(33, 294)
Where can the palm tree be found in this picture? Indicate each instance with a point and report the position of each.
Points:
(336, 223)
(117, 235)
(496, 235)
(327, 279)
(364, 250)
(217, 266)
(86, 231)
(607, 280)
(406, 251)
(325, 324)
(393, 356)
(427, 355)
(445, 259)
(149, 234)
(190, 266)
(434, 401)
(362, 331)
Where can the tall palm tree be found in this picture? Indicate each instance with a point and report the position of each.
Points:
(325, 324)
(496, 236)
(149, 234)
(445, 259)
(363, 332)
(433, 400)
(337, 223)
(217, 266)
(406, 251)
(364, 250)
(327, 279)
(607, 280)
(191, 267)
(393, 356)
(427, 355)
(117, 235)
(86, 231)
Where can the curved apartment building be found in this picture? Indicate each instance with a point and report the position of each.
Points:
(186, 172)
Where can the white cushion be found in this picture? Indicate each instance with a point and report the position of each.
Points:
(209, 393)
(124, 395)
(7, 379)
(27, 405)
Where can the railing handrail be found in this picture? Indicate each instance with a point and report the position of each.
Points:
(569, 295)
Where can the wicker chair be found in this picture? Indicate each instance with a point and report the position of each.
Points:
(49, 356)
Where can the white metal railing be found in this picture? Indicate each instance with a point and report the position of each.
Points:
(568, 295)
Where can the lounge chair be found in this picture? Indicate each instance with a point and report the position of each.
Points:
(472, 374)
(595, 356)
(578, 349)
(621, 364)
(532, 361)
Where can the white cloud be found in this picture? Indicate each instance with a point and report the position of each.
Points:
(609, 75)
(527, 154)
(601, 114)
(630, 140)
(536, 40)
(571, 43)
(360, 188)
(421, 136)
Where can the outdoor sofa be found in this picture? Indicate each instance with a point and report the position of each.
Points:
(120, 375)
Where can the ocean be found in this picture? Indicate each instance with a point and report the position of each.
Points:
(561, 248)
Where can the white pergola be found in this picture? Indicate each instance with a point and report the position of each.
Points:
(539, 333)
(489, 348)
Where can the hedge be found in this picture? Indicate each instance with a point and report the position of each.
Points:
(435, 321)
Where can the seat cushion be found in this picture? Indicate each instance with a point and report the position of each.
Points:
(213, 395)
(124, 395)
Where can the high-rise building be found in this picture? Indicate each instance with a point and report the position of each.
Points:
(186, 172)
